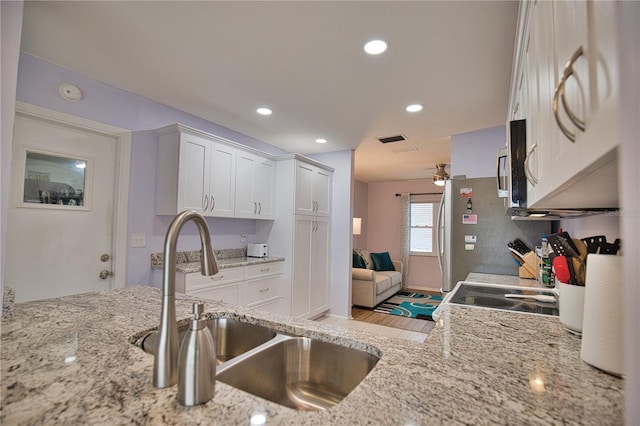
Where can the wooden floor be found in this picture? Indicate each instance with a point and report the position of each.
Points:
(411, 324)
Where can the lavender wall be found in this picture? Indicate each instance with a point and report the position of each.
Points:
(38, 83)
(474, 154)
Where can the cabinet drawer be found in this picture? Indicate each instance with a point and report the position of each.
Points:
(225, 276)
(276, 306)
(230, 293)
(261, 290)
(263, 270)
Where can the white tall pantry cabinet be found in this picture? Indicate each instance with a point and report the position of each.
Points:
(302, 233)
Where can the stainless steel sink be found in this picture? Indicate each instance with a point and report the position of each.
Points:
(298, 372)
(233, 338)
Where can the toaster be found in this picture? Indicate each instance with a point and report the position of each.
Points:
(257, 250)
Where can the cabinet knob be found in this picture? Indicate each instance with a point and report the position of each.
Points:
(104, 274)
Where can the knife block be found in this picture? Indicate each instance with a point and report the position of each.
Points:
(530, 267)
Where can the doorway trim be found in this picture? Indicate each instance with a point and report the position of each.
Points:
(122, 177)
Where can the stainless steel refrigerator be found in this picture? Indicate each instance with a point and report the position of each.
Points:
(473, 231)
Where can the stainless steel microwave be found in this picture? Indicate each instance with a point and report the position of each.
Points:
(511, 177)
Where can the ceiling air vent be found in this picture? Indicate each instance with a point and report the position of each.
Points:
(405, 149)
(396, 138)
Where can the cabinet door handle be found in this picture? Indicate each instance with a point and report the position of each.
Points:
(560, 93)
(259, 208)
(530, 177)
(255, 207)
(217, 277)
(213, 203)
(264, 290)
(265, 270)
(205, 203)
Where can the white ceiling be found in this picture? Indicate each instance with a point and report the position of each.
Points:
(305, 60)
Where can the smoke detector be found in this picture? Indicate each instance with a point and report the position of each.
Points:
(70, 92)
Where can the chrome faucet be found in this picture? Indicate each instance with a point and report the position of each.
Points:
(165, 365)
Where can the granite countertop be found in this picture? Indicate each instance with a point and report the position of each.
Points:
(477, 277)
(189, 261)
(190, 267)
(477, 366)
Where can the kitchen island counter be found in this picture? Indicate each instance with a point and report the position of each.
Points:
(71, 361)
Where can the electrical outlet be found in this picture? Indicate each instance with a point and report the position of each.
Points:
(139, 240)
(243, 238)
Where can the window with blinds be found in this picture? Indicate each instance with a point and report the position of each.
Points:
(422, 225)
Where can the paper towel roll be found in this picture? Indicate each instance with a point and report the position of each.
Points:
(602, 334)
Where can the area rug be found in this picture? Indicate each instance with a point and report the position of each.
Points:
(411, 305)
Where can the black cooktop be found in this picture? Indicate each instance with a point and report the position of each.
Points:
(493, 297)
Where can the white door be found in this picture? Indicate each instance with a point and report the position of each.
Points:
(59, 233)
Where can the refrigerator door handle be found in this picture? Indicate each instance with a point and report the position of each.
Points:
(439, 238)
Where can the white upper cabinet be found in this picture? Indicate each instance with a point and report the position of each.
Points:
(222, 180)
(567, 60)
(213, 176)
(313, 190)
(255, 186)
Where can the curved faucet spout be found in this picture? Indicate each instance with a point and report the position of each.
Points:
(165, 364)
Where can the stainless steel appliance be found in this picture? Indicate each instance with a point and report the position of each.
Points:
(514, 176)
(501, 297)
(478, 243)
(257, 250)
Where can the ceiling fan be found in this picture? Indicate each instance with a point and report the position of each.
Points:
(440, 173)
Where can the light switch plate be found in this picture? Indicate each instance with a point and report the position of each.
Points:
(470, 239)
(469, 247)
(139, 240)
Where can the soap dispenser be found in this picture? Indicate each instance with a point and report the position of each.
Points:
(197, 362)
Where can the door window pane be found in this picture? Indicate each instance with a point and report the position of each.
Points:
(51, 179)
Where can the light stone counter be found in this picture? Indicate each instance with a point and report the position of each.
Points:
(502, 279)
(476, 367)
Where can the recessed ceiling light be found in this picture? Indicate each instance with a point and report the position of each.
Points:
(321, 140)
(414, 108)
(375, 47)
(264, 111)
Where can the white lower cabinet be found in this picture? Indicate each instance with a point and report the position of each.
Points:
(258, 286)
(229, 293)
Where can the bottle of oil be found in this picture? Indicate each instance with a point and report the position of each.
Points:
(545, 264)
